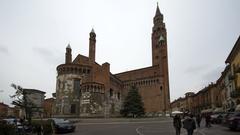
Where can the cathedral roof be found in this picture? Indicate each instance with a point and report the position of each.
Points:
(81, 59)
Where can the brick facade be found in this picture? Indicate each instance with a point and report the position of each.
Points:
(48, 107)
(87, 89)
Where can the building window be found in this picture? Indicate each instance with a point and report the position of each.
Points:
(88, 71)
(59, 84)
(118, 95)
(73, 108)
(77, 87)
(80, 70)
(111, 92)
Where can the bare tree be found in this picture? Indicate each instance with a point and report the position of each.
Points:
(21, 100)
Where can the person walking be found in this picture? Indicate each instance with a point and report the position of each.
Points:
(177, 124)
(208, 120)
(189, 124)
(198, 119)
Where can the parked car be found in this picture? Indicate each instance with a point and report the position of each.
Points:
(19, 126)
(63, 126)
(234, 121)
(226, 116)
(217, 118)
(11, 121)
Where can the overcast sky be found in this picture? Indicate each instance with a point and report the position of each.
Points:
(35, 33)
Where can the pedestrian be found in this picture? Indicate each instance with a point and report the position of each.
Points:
(177, 124)
(39, 129)
(208, 120)
(198, 119)
(189, 124)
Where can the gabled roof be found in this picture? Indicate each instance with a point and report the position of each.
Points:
(234, 51)
(34, 91)
(81, 59)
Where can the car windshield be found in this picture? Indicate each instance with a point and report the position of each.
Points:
(9, 121)
(61, 121)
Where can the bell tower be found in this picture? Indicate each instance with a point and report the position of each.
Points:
(159, 39)
(92, 46)
(68, 54)
(160, 56)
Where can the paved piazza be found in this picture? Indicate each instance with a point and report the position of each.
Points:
(160, 126)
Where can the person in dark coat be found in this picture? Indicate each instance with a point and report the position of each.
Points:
(208, 120)
(177, 124)
(189, 124)
(198, 119)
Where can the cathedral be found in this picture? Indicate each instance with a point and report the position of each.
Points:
(85, 88)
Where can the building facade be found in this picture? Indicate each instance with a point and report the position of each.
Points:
(48, 107)
(85, 88)
(233, 60)
(7, 111)
(35, 98)
(222, 96)
(3, 110)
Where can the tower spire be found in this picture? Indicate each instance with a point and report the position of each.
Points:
(69, 46)
(157, 11)
(92, 30)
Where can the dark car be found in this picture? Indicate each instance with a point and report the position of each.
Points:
(20, 127)
(234, 121)
(63, 126)
(217, 118)
(226, 116)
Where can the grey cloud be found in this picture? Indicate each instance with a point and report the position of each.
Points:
(213, 75)
(43, 51)
(195, 69)
(47, 55)
(4, 50)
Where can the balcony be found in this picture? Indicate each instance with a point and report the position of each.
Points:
(235, 94)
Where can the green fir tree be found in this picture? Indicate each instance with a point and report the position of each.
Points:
(133, 105)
